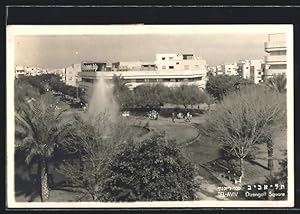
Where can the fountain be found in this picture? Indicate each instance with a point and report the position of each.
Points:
(102, 101)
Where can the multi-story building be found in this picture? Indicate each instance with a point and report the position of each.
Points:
(244, 68)
(230, 69)
(276, 62)
(257, 70)
(251, 69)
(71, 74)
(179, 62)
(168, 69)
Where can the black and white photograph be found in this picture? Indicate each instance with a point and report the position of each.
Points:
(150, 116)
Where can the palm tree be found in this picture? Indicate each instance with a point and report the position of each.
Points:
(277, 82)
(46, 126)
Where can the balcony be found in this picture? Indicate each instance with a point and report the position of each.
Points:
(274, 46)
(275, 59)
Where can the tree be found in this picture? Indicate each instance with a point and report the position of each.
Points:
(187, 95)
(150, 170)
(150, 95)
(46, 126)
(221, 85)
(24, 92)
(244, 118)
(208, 99)
(93, 142)
(277, 82)
(122, 93)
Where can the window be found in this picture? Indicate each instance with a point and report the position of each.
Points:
(87, 80)
(152, 80)
(171, 67)
(277, 53)
(185, 57)
(163, 67)
(177, 63)
(167, 80)
(170, 58)
(140, 80)
(163, 58)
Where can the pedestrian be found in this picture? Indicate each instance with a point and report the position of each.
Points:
(173, 117)
(187, 116)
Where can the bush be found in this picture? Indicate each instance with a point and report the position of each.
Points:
(152, 170)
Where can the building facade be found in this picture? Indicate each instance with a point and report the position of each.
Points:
(230, 69)
(244, 68)
(28, 71)
(257, 68)
(179, 62)
(276, 61)
(19, 71)
(251, 69)
(168, 69)
(72, 74)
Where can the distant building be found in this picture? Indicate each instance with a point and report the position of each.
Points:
(29, 71)
(179, 62)
(71, 74)
(19, 71)
(276, 62)
(219, 70)
(257, 68)
(244, 68)
(251, 69)
(230, 69)
(168, 69)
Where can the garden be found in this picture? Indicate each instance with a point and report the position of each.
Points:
(68, 154)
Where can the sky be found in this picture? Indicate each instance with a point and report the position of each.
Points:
(58, 51)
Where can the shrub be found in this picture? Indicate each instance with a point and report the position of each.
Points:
(153, 169)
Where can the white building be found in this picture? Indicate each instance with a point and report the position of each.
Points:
(179, 62)
(219, 70)
(19, 71)
(257, 70)
(244, 68)
(230, 69)
(71, 74)
(168, 69)
(276, 62)
(29, 71)
(251, 69)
